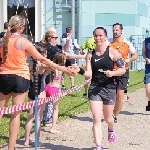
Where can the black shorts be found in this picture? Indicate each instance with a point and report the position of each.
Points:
(41, 87)
(69, 62)
(106, 95)
(123, 81)
(13, 83)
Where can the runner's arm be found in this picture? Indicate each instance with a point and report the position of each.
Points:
(132, 51)
(88, 72)
(117, 58)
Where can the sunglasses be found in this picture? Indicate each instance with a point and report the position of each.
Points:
(54, 37)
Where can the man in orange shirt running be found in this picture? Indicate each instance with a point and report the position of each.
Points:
(124, 47)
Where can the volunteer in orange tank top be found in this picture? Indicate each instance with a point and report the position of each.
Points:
(124, 47)
(14, 71)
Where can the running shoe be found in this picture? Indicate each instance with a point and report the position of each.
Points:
(99, 148)
(115, 119)
(84, 96)
(63, 88)
(77, 89)
(111, 136)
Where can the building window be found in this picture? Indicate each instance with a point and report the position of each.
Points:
(26, 8)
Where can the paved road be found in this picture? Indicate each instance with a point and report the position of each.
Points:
(132, 129)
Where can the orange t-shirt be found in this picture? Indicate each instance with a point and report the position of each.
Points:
(123, 49)
(16, 60)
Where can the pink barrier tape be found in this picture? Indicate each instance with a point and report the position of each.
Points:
(27, 105)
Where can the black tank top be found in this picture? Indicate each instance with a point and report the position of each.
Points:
(105, 63)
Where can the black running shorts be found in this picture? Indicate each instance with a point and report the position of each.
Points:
(123, 81)
(106, 95)
(69, 62)
(13, 83)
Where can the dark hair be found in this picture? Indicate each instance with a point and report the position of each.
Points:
(42, 50)
(5, 25)
(100, 28)
(59, 58)
(118, 24)
(68, 29)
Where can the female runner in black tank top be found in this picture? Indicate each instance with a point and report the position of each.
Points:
(102, 91)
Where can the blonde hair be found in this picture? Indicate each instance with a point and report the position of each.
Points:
(14, 23)
(51, 29)
(48, 33)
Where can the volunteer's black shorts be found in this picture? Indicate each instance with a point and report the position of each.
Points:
(104, 94)
(123, 81)
(13, 83)
(69, 62)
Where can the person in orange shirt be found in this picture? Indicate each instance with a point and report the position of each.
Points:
(124, 47)
(14, 71)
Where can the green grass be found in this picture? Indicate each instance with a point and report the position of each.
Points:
(69, 105)
(136, 80)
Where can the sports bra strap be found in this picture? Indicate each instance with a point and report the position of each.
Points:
(20, 44)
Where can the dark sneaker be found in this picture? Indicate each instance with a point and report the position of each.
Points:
(77, 89)
(63, 88)
(147, 108)
(115, 119)
(84, 96)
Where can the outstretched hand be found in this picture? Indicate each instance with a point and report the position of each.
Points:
(74, 69)
(71, 70)
(68, 71)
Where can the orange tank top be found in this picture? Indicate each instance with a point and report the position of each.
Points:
(16, 60)
(123, 49)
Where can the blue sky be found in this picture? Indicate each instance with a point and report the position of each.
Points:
(30, 3)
